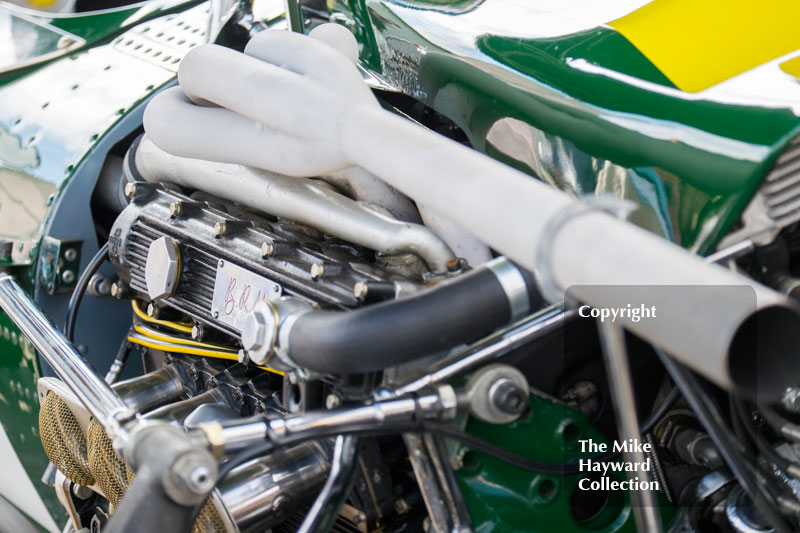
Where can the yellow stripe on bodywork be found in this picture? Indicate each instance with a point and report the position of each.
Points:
(792, 67)
(700, 43)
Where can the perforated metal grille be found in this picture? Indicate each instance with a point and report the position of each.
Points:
(91, 459)
(209, 520)
(781, 188)
(63, 440)
(109, 470)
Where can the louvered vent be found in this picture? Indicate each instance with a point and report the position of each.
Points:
(781, 188)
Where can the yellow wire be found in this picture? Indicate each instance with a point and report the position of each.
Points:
(166, 323)
(178, 348)
(153, 334)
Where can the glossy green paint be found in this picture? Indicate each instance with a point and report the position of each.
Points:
(52, 118)
(504, 499)
(589, 89)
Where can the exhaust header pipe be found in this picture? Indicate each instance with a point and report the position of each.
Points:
(294, 104)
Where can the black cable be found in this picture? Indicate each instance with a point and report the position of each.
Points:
(650, 422)
(118, 365)
(758, 439)
(80, 289)
(710, 419)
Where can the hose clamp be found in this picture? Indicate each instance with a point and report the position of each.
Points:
(608, 203)
(510, 278)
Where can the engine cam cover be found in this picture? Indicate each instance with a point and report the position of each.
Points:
(214, 261)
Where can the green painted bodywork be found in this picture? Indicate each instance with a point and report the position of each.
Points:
(52, 118)
(502, 498)
(584, 110)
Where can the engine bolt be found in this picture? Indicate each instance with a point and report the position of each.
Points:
(243, 357)
(317, 270)
(267, 249)
(220, 228)
(130, 189)
(198, 332)
(360, 291)
(332, 401)
(152, 310)
(117, 290)
(68, 276)
(508, 397)
(175, 209)
(199, 479)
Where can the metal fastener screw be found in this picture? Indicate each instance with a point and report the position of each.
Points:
(401, 506)
(243, 357)
(220, 228)
(116, 290)
(175, 209)
(71, 254)
(360, 291)
(152, 310)
(68, 276)
(332, 401)
(198, 332)
(317, 270)
(267, 249)
(199, 479)
(220, 263)
(508, 397)
(216, 314)
(130, 189)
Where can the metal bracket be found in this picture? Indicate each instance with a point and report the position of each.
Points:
(59, 264)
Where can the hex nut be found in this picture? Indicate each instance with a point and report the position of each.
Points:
(162, 270)
(175, 209)
(220, 228)
(254, 331)
(267, 249)
(68, 276)
(130, 189)
(360, 291)
(317, 270)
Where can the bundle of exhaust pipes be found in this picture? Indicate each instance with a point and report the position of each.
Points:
(252, 127)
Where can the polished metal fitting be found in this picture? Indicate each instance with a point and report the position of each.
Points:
(498, 394)
(262, 332)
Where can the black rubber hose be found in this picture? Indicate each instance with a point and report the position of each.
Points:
(80, 290)
(391, 333)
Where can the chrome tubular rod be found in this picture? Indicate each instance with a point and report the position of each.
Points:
(489, 349)
(87, 385)
(612, 339)
(323, 513)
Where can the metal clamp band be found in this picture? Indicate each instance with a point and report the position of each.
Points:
(607, 203)
(514, 286)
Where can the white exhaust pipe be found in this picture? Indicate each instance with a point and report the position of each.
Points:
(292, 104)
